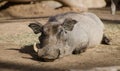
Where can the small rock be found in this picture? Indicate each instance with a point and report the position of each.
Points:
(52, 4)
(85, 3)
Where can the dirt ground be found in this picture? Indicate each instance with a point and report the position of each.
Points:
(16, 53)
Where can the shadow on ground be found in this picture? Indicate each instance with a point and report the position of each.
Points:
(10, 66)
(27, 49)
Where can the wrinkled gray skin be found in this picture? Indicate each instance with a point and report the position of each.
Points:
(114, 4)
(68, 33)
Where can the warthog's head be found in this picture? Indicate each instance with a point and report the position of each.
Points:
(53, 36)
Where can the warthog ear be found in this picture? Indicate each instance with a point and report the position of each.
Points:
(68, 24)
(36, 27)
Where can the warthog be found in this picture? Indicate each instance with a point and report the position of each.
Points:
(68, 33)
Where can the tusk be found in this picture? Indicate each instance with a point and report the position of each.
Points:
(35, 47)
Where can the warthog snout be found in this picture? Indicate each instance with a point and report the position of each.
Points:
(46, 54)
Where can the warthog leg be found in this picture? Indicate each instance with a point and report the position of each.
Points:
(105, 40)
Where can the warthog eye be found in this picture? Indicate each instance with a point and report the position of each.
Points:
(43, 39)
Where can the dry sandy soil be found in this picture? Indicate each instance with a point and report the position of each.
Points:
(16, 53)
